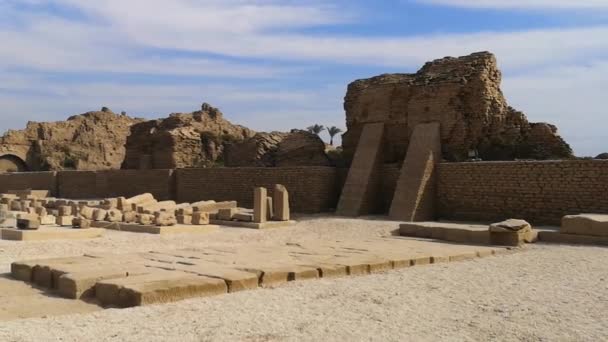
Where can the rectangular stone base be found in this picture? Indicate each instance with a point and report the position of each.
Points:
(50, 233)
(148, 229)
(253, 225)
(571, 239)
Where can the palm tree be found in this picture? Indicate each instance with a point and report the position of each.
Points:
(316, 129)
(333, 131)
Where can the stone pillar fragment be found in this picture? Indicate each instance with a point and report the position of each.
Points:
(281, 203)
(260, 203)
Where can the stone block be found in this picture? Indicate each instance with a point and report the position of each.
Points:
(65, 221)
(114, 215)
(226, 214)
(4, 207)
(244, 217)
(260, 210)
(585, 224)
(48, 220)
(87, 212)
(129, 217)
(269, 209)
(145, 219)
(30, 223)
(200, 218)
(81, 223)
(65, 210)
(100, 215)
(280, 201)
(184, 219)
(185, 211)
(123, 205)
(163, 219)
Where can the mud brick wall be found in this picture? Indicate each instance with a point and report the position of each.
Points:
(28, 180)
(100, 184)
(311, 189)
(541, 192)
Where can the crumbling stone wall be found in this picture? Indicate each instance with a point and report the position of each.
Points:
(90, 141)
(464, 95)
(182, 140)
(540, 191)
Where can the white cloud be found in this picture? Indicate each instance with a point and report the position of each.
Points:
(523, 4)
(571, 96)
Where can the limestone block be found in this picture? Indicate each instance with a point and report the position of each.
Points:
(244, 217)
(226, 214)
(65, 221)
(164, 218)
(31, 210)
(4, 207)
(129, 217)
(269, 209)
(585, 224)
(28, 223)
(145, 219)
(48, 220)
(81, 222)
(260, 210)
(200, 218)
(141, 198)
(184, 219)
(114, 215)
(100, 215)
(280, 203)
(185, 211)
(87, 212)
(65, 210)
(36, 204)
(511, 225)
(16, 206)
(123, 205)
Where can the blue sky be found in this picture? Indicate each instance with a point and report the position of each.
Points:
(282, 64)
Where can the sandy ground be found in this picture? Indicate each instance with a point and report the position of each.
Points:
(546, 293)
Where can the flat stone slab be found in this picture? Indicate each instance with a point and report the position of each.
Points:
(585, 224)
(454, 232)
(50, 233)
(554, 235)
(163, 276)
(150, 229)
(253, 225)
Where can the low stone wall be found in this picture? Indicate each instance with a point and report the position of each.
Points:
(311, 189)
(539, 191)
(28, 180)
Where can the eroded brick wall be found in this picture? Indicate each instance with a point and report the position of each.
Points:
(311, 189)
(541, 192)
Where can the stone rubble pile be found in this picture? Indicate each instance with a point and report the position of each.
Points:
(29, 209)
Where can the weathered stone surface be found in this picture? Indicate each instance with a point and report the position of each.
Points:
(200, 218)
(114, 215)
(81, 222)
(182, 140)
(585, 224)
(163, 219)
(511, 225)
(297, 148)
(29, 223)
(280, 202)
(260, 210)
(90, 141)
(464, 95)
(226, 214)
(100, 215)
(87, 212)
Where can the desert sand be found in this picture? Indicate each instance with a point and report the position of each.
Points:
(540, 293)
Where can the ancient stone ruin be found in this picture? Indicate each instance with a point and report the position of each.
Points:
(182, 140)
(462, 94)
(90, 141)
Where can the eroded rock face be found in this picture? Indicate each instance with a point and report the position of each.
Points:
(90, 141)
(464, 95)
(182, 140)
(297, 148)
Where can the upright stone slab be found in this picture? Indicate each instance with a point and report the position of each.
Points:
(280, 202)
(260, 210)
(415, 192)
(358, 194)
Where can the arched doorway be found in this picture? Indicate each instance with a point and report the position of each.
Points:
(11, 163)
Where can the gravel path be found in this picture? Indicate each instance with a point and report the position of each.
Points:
(546, 293)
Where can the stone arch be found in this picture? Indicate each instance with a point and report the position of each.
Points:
(12, 163)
